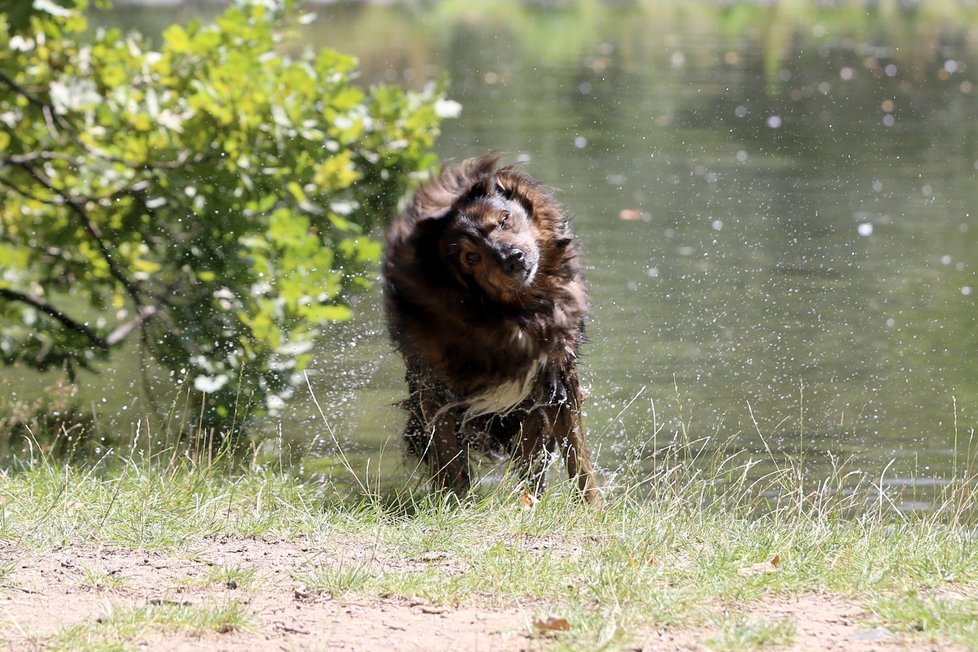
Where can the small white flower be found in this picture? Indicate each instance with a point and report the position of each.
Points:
(447, 108)
(20, 44)
(210, 384)
(49, 7)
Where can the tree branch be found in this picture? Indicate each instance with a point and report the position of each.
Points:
(122, 332)
(76, 207)
(23, 193)
(20, 90)
(180, 161)
(19, 159)
(50, 116)
(57, 315)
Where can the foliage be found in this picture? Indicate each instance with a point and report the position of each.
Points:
(214, 197)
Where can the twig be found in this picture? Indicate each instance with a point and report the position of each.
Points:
(20, 90)
(50, 116)
(76, 207)
(54, 313)
(143, 314)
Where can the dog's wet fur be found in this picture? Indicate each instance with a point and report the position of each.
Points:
(486, 301)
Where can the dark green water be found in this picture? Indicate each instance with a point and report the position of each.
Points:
(805, 186)
(801, 190)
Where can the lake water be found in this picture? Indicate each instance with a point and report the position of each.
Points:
(777, 209)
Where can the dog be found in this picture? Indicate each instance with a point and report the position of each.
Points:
(486, 300)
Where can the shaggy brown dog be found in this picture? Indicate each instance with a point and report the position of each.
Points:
(486, 302)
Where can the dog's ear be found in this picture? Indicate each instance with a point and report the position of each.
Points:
(431, 229)
(478, 190)
(505, 184)
(512, 189)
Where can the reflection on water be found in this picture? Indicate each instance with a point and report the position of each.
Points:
(777, 210)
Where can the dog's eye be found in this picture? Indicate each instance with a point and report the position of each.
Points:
(503, 220)
(471, 258)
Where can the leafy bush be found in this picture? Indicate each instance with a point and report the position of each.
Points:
(214, 198)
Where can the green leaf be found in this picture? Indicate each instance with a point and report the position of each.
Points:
(176, 38)
(224, 180)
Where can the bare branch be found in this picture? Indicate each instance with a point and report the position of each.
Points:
(57, 315)
(18, 159)
(122, 332)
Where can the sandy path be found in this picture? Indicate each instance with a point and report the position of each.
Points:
(43, 595)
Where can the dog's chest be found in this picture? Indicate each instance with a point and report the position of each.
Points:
(516, 383)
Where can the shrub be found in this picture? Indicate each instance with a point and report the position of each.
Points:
(213, 198)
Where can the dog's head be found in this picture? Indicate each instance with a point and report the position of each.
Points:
(490, 240)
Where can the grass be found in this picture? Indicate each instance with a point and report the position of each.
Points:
(100, 579)
(120, 629)
(225, 576)
(951, 617)
(740, 632)
(337, 580)
(675, 549)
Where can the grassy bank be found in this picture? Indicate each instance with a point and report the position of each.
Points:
(686, 550)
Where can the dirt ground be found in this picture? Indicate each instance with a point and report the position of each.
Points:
(43, 595)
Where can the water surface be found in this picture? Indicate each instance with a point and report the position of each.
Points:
(777, 209)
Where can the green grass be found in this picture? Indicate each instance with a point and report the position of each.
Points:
(739, 632)
(950, 617)
(337, 580)
(674, 549)
(225, 577)
(120, 629)
(100, 579)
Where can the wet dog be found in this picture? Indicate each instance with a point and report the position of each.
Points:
(486, 302)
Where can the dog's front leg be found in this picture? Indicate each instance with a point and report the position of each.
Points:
(447, 456)
(569, 435)
(531, 447)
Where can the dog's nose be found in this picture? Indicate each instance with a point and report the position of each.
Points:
(515, 261)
